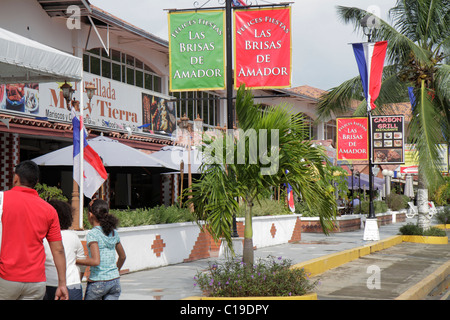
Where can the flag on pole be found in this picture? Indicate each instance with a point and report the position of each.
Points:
(290, 198)
(238, 3)
(370, 59)
(94, 173)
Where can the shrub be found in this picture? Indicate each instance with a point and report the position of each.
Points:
(396, 201)
(411, 230)
(148, 216)
(265, 207)
(268, 277)
(444, 215)
(414, 230)
(378, 206)
(47, 193)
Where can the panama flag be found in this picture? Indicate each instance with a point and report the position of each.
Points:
(94, 173)
(290, 198)
(370, 59)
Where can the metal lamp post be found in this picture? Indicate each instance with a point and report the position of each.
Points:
(369, 23)
(184, 124)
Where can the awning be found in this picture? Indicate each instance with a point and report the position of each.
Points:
(23, 61)
(112, 152)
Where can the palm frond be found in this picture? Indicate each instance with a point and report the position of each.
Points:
(426, 134)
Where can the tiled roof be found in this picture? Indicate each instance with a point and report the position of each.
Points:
(308, 91)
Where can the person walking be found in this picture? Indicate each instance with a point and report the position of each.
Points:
(103, 242)
(73, 250)
(26, 221)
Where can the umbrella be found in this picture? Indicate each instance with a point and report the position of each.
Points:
(409, 190)
(377, 182)
(112, 152)
(171, 156)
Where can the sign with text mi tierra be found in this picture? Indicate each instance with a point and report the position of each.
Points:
(196, 50)
(262, 48)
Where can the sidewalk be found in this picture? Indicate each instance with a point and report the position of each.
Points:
(176, 282)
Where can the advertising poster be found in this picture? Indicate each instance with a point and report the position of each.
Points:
(115, 105)
(197, 50)
(262, 48)
(411, 164)
(388, 139)
(352, 139)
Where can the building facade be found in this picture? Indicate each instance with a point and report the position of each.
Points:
(132, 103)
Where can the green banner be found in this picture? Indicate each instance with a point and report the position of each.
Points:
(197, 50)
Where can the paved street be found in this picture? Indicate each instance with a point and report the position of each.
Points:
(398, 267)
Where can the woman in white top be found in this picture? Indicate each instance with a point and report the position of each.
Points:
(73, 249)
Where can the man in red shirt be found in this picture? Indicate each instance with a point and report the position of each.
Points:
(27, 220)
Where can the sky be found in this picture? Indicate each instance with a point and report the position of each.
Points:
(322, 56)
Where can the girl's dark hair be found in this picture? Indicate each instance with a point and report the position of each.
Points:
(64, 210)
(108, 222)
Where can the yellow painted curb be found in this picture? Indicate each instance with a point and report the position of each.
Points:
(424, 239)
(420, 290)
(442, 226)
(319, 265)
(308, 296)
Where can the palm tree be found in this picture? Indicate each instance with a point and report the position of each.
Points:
(417, 56)
(235, 170)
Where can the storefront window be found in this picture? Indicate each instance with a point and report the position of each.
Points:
(122, 67)
(193, 103)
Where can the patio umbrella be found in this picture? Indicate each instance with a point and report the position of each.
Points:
(112, 152)
(409, 190)
(171, 156)
(377, 182)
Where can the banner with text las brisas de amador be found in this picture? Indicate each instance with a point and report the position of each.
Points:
(197, 50)
(352, 139)
(262, 48)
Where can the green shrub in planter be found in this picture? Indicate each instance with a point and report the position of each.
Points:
(268, 277)
(378, 206)
(397, 202)
(414, 230)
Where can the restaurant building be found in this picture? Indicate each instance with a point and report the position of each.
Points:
(132, 103)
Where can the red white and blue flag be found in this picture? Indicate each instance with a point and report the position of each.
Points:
(94, 173)
(290, 198)
(238, 3)
(370, 59)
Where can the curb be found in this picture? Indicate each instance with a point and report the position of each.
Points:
(319, 265)
(420, 290)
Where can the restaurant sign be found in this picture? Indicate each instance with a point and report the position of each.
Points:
(352, 139)
(388, 139)
(262, 48)
(115, 105)
(197, 50)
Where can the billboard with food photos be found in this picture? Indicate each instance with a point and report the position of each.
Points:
(388, 139)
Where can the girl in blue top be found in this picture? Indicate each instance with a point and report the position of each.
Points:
(103, 242)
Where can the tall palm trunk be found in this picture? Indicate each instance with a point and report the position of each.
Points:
(423, 220)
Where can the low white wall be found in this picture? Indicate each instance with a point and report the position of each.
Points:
(179, 240)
